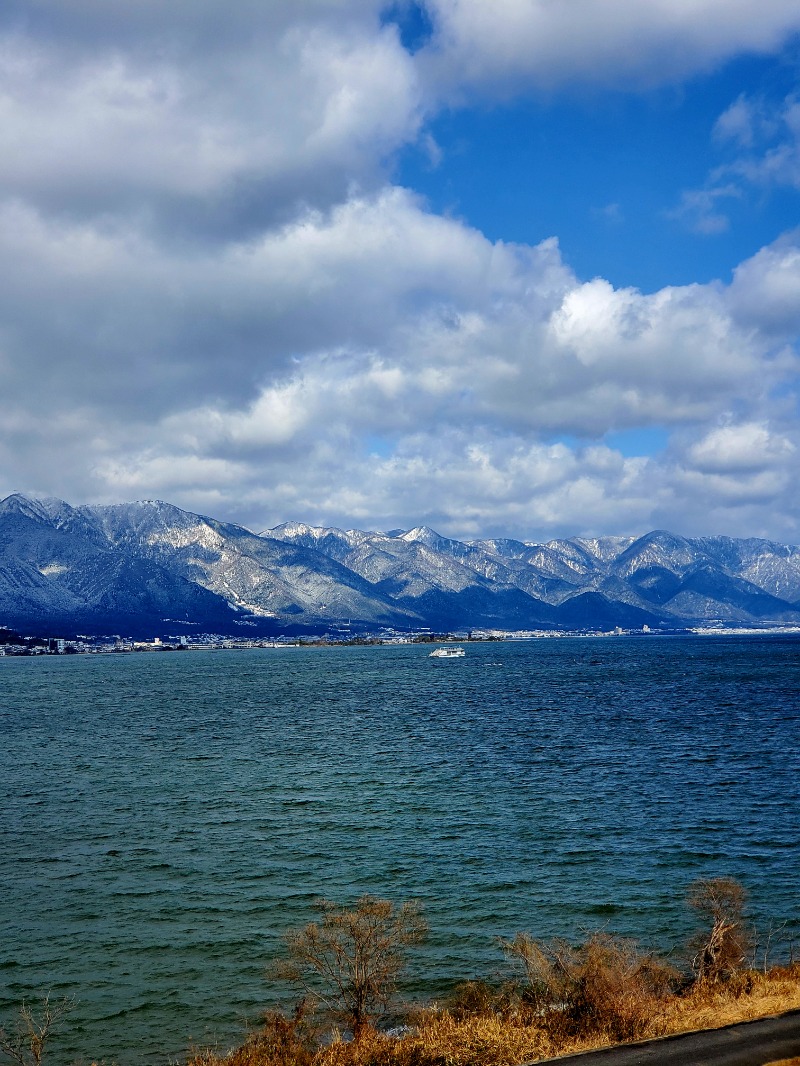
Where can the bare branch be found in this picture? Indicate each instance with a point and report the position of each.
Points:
(720, 951)
(26, 1044)
(350, 960)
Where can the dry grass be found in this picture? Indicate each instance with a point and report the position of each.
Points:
(560, 998)
(502, 1035)
(442, 1041)
(750, 995)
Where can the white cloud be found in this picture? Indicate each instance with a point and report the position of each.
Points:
(747, 448)
(766, 288)
(201, 132)
(746, 122)
(699, 209)
(764, 137)
(499, 347)
(213, 294)
(509, 43)
(774, 143)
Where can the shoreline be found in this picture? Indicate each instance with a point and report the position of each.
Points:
(37, 645)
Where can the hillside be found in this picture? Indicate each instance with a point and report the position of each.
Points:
(151, 567)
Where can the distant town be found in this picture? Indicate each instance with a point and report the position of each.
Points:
(15, 644)
(12, 643)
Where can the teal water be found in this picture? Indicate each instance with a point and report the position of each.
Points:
(167, 817)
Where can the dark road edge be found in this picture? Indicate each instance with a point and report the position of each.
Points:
(749, 1043)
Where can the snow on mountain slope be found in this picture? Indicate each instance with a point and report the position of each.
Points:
(649, 573)
(410, 564)
(657, 549)
(57, 564)
(258, 574)
(604, 549)
(150, 559)
(772, 567)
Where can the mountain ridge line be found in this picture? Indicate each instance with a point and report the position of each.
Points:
(137, 564)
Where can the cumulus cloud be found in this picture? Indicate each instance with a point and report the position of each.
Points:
(766, 288)
(264, 379)
(154, 112)
(378, 298)
(747, 448)
(502, 45)
(214, 294)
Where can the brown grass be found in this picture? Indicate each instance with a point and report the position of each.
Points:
(504, 1034)
(441, 1041)
(748, 996)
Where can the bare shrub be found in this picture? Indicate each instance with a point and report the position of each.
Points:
(777, 938)
(545, 965)
(283, 1040)
(617, 990)
(27, 1043)
(351, 959)
(603, 986)
(475, 999)
(719, 952)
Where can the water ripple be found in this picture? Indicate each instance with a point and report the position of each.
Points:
(167, 818)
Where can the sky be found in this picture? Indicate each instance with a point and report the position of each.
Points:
(522, 268)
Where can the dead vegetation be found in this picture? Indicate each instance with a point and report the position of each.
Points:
(27, 1041)
(349, 961)
(721, 950)
(448, 1037)
(558, 997)
(752, 994)
(602, 987)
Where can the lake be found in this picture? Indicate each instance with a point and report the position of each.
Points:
(166, 818)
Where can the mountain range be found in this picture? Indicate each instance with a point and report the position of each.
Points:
(152, 568)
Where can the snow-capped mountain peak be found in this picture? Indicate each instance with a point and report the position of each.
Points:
(121, 563)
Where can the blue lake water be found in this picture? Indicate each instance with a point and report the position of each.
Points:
(167, 817)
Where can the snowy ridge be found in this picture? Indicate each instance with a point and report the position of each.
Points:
(133, 564)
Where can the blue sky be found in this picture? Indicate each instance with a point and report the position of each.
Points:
(605, 171)
(523, 269)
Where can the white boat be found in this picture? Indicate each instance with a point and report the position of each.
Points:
(447, 653)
